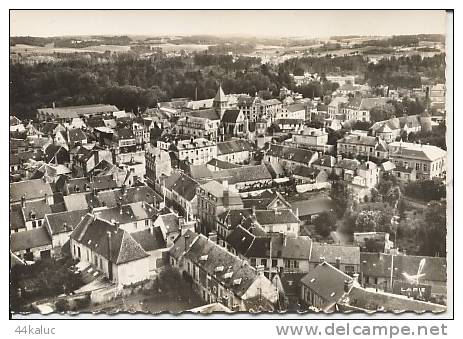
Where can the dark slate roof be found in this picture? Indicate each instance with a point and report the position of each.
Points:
(209, 256)
(76, 135)
(171, 222)
(29, 239)
(296, 107)
(150, 241)
(350, 255)
(127, 213)
(19, 158)
(234, 146)
(48, 127)
(37, 207)
(230, 116)
(53, 151)
(125, 133)
(270, 217)
(94, 234)
(185, 187)
(16, 217)
(306, 172)
(326, 161)
(327, 282)
(219, 164)
(178, 249)
(31, 189)
(210, 114)
(234, 217)
(243, 174)
(387, 302)
(110, 198)
(290, 153)
(83, 184)
(240, 239)
(64, 221)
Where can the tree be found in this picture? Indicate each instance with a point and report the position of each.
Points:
(382, 112)
(433, 230)
(367, 221)
(426, 190)
(340, 194)
(325, 223)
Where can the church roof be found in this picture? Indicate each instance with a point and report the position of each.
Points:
(220, 96)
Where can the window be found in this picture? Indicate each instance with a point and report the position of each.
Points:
(147, 222)
(417, 166)
(253, 262)
(39, 223)
(296, 264)
(287, 264)
(425, 167)
(135, 224)
(263, 262)
(34, 224)
(274, 262)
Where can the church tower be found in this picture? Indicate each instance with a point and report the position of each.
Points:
(220, 102)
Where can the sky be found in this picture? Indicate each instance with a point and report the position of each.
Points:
(300, 23)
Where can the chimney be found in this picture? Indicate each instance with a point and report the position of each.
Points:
(181, 223)
(347, 285)
(186, 240)
(260, 270)
(116, 223)
(212, 236)
(53, 104)
(339, 157)
(338, 263)
(356, 277)
(110, 271)
(253, 210)
(23, 201)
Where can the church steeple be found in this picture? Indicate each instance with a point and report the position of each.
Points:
(220, 102)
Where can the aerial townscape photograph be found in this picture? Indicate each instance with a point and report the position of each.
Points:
(202, 161)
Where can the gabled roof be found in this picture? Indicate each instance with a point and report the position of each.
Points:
(80, 201)
(235, 274)
(210, 114)
(93, 232)
(125, 214)
(296, 107)
(37, 207)
(25, 240)
(327, 282)
(231, 116)
(220, 96)
(416, 151)
(111, 198)
(170, 221)
(182, 244)
(234, 146)
(349, 255)
(280, 216)
(64, 221)
(243, 174)
(300, 155)
(30, 189)
(388, 302)
(150, 240)
(185, 187)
